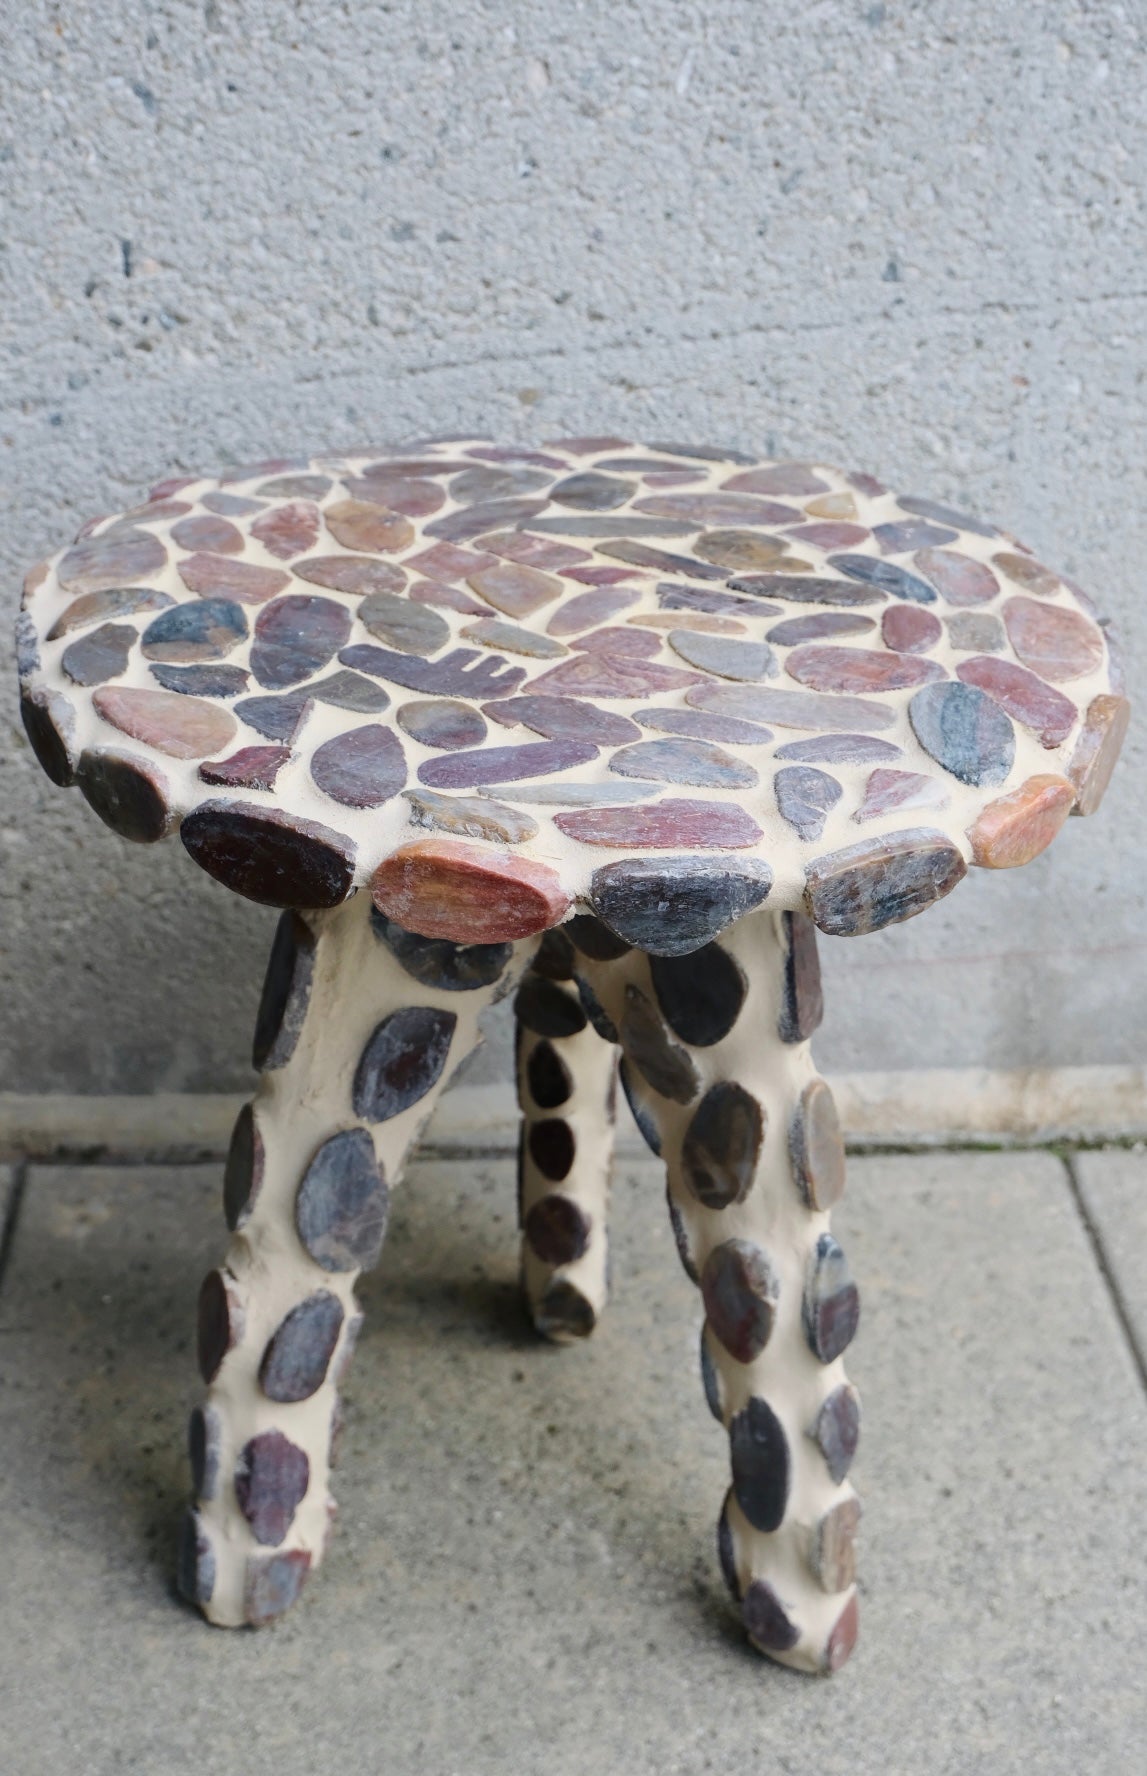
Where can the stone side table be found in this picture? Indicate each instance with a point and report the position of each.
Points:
(617, 726)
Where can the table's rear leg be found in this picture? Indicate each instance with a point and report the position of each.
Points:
(717, 1058)
(359, 1029)
(566, 1077)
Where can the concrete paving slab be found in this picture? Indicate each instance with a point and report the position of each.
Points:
(1113, 1185)
(524, 1579)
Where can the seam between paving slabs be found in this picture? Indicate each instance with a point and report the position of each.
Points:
(1099, 1253)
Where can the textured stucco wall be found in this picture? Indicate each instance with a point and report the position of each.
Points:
(906, 235)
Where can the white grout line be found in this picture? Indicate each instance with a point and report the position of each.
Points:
(935, 1108)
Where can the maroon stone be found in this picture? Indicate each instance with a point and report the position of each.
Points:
(295, 636)
(668, 826)
(831, 1307)
(445, 597)
(805, 798)
(271, 1480)
(722, 1145)
(1029, 573)
(557, 1230)
(402, 1061)
(532, 551)
(1051, 640)
(216, 576)
(661, 1062)
(958, 578)
(505, 764)
(287, 530)
(859, 669)
(274, 858)
(50, 724)
(541, 1006)
(836, 1431)
(741, 551)
(350, 573)
(700, 994)
(759, 1452)
(740, 1288)
(765, 1619)
(286, 993)
(789, 480)
(442, 561)
(220, 1321)
(600, 675)
(802, 1004)
(547, 1077)
(296, 1360)
(129, 795)
(439, 722)
(881, 881)
(360, 524)
(409, 495)
(183, 727)
(816, 1147)
(568, 718)
(343, 1203)
(909, 629)
(252, 767)
(829, 535)
(460, 673)
(792, 709)
(243, 1171)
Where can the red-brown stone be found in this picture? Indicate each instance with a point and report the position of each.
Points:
(909, 629)
(1025, 697)
(446, 888)
(1016, 827)
(1054, 641)
(859, 669)
(887, 792)
(957, 578)
(288, 529)
(350, 573)
(665, 827)
(216, 576)
(205, 531)
(182, 727)
(515, 590)
(358, 525)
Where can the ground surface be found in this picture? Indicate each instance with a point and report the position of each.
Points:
(524, 1578)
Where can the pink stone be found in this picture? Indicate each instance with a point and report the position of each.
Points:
(957, 578)
(204, 531)
(859, 669)
(1054, 641)
(534, 551)
(215, 576)
(587, 609)
(666, 826)
(515, 590)
(446, 561)
(791, 480)
(1025, 697)
(1029, 573)
(182, 727)
(910, 629)
(289, 529)
(1097, 749)
(467, 893)
(595, 675)
(893, 792)
(829, 535)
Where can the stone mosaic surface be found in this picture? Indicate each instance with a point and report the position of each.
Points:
(574, 657)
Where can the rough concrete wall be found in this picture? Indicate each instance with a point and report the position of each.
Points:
(909, 236)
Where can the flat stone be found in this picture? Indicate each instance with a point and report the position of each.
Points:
(819, 626)
(472, 521)
(411, 495)
(1026, 698)
(909, 629)
(95, 607)
(568, 718)
(885, 576)
(50, 724)
(271, 1480)
(362, 768)
(286, 993)
(302, 486)
(545, 1008)
(513, 638)
(469, 817)
(622, 524)
(554, 957)
(941, 514)
(274, 858)
(648, 1129)
(445, 888)
(350, 573)
(219, 576)
(793, 709)
(204, 1435)
(805, 798)
(445, 561)
(592, 491)
(441, 722)
(411, 628)
(660, 560)
(889, 792)
(700, 623)
(904, 534)
(402, 1061)
(296, 636)
(358, 524)
(461, 673)
(813, 590)
(570, 793)
(597, 1014)
(495, 481)
(744, 660)
(740, 551)
(766, 1622)
(816, 1147)
(829, 535)
(287, 530)
(195, 1572)
(881, 881)
(740, 1289)
(207, 630)
(271, 1587)
(662, 1063)
(668, 826)
(959, 579)
(828, 668)
(833, 1557)
(182, 727)
(788, 480)
(533, 551)
(278, 718)
(99, 655)
(1097, 749)
(703, 601)
(831, 1306)
(230, 505)
(592, 938)
(1029, 573)
(435, 962)
(130, 795)
(669, 906)
(832, 505)
(606, 675)
(836, 1431)
(716, 509)
(557, 1230)
(563, 1314)
(697, 762)
(296, 1360)
(1016, 827)
(505, 764)
(220, 1322)
(1053, 641)
(838, 749)
(759, 1452)
(802, 1002)
(202, 681)
(204, 530)
(714, 1397)
(976, 632)
(722, 1145)
(548, 1079)
(343, 1203)
(964, 730)
(700, 994)
(696, 724)
(349, 690)
(120, 558)
(243, 1171)
(445, 597)
(587, 609)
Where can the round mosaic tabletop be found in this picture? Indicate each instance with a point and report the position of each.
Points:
(491, 683)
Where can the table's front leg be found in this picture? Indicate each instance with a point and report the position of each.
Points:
(716, 1050)
(360, 1027)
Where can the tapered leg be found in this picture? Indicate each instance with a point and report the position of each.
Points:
(360, 1026)
(567, 1072)
(718, 1069)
